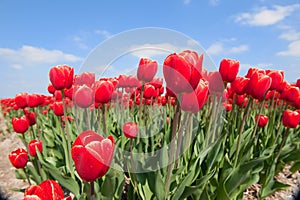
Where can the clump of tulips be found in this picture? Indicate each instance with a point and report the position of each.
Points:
(192, 134)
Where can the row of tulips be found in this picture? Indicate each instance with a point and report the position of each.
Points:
(192, 135)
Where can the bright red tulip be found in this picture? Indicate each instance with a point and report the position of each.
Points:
(130, 129)
(262, 120)
(18, 158)
(239, 84)
(33, 100)
(291, 93)
(103, 91)
(229, 69)
(32, 145)
(258, 85)
(277, 78)
(149, 91)
(31, 116)
(51, 89)
(177, 73)
(47, 190)
(92, 155)
(290, 118)
(83, 96)
(21, 100)
(20, 124)
(194, 101)
(58, 108)
(147, 69)
(61, 77)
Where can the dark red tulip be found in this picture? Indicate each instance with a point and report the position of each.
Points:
(239, 84)
(21, 100)
(61, 77)
(298, 83)
(92, 155)
(258, 85)
(262, 120)
(83, 96)
(290, 118)
(33, 145)
(103, 91)
(229, 69)
(194, 101)
(147, 69)
(227, 106)
(31, 116)
(47, 190)
(20, 124)
(58, 108)
(18, 158)
(130, 129)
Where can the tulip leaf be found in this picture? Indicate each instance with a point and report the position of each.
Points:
(159, 186)
(108, 186)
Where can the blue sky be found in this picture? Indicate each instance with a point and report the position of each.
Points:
(36, 35)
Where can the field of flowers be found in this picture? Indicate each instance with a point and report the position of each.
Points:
(192, 134)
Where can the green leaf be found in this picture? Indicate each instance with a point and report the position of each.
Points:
(108, 186)
(180, 189)
(159, 186)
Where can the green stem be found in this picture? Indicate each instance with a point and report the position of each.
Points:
(92, 197)
(241, 131)
(104, 119)
(27, 177)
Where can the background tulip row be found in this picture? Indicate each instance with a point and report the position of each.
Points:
(192, 134)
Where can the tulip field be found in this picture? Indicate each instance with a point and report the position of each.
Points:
(191, 134)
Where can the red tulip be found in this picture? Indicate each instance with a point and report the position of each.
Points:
(31, 116)
(258, 85)
(229, 69)
(103, 91)
(194, 101)
(61, 77)
(262, 120)
(149, 91)
(277, 78)
(87, 78)
(239, 84)
(32, 145)
(227, 106)
(58, 95)
(177, 73)
(33, 100)
(147, 69)
(58, 108)
(51, 89)
(20, 124)
(92, 155)
(21, 100)
(196, 62)
(130, 129)
(47, 190)
(291, 93)
(298, 83)
(18, 158)
(290, 118)
(83, 96)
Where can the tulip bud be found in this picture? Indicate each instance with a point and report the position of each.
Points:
(290, 118)
(20, 124)
(229, 69)
(130, 129)
(32, 145)
(18, 158)
(262, 120)
(146, 70)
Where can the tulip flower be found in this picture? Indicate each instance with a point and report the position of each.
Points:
(47, 190)
(58, 108)
(239, 84)
(83, 96)
(61, 77)
(258, 85)
(34, 145)
(31, 116)
(262, 120)
(92, 155)
(33, 100)
(146, 70)
(20, 124)
(18, 158)
(229, 69)
(130, 129)
(290, 118)
(177, 73)
(149, 91)
(86, 78)
(277, 78)
(194, 101)
(103, 91)
(21, 100)
(51, 89)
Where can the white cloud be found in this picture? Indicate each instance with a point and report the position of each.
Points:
(104, 33)
(265, 16)
(290, 35)
(218, 48)
(29, 56)
(214, 2)
(186, 2)
(293, 49)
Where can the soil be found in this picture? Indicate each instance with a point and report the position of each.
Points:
(11, 141)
